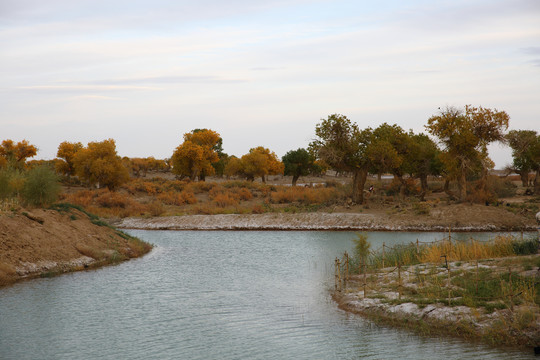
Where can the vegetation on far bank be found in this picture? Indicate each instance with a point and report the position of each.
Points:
(457, 166)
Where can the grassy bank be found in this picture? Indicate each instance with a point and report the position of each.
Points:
(476, 290)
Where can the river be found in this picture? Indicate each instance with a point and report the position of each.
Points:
(213, 295)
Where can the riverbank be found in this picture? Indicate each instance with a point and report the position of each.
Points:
(499, 312)
(46, 242)
(458, 217)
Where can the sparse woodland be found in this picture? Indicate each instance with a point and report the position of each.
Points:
(343, 166)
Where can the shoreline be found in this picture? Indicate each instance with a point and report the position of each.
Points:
(311, 222)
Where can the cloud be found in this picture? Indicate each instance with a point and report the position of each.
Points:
(178, 79)
(83, 88)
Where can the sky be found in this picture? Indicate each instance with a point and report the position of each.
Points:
(260, 73)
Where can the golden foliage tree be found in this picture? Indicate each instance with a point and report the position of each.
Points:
(98, 164)
(15, 154)
(260, 162)
(195, 156)
(66, 154)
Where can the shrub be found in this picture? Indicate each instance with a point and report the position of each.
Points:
(243, 194)
(108, 199)
(41, 186)
(224, 200)
(501, 187)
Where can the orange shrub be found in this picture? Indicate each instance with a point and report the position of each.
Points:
(304, 195)
(83, 198)
(178, 199)
(243, 194)
(224, 200)
(110, 199)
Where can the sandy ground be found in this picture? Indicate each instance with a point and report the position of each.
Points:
(35, 242)
(458, 217)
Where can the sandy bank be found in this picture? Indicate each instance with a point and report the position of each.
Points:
(41, 242)
(458, 217)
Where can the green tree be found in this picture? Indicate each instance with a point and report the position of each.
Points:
(298, 163)
(342, 146)
(465, 135)
(523, 144)
(423, 159)
(98, 164)
(388, 152)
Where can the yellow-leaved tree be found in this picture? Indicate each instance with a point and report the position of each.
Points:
(66, 154)
(195, 156)
(15, 154)
(98, 164)
(260, 162)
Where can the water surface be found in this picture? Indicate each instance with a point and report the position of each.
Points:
(213, 295)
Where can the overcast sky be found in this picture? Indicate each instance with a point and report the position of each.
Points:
(260, 73)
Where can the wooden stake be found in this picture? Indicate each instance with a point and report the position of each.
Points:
(346, 267)
(417, 248)
(383, 255)
(449, 289)
(364, 280)
(399, 280)
(335, 275)
(476, 276)
(511, 289)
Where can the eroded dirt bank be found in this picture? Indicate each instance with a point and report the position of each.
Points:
(459, 217)
(46, 242)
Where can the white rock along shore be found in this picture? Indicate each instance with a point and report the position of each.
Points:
(299, 221)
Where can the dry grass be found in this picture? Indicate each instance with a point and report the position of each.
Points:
(501, 246)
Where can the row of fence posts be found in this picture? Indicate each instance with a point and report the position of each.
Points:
(341, 281)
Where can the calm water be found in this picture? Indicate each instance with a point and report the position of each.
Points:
(212, 295)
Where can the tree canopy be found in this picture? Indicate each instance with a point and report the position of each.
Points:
(66, 152)
(465, 135)
(15, 154)
(98, 164)
(298, 163)
(344, 147)
(195, 156)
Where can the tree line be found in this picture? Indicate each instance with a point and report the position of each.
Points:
(456, 151)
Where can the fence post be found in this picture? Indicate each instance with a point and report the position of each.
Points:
(365, 280)
(399, 280)
(449, 283)
(417, 248)
(383, 254)
(335, 274)
(346, 255)
(476, 276)
(339, 273)
(511, 289)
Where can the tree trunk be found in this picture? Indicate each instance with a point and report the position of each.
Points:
(462, 186)
(537, 182)
(359, 180)
(402, 185)
(447, 189)
(295, 179)
(263, 179)
(524, 176)
(424, 187)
